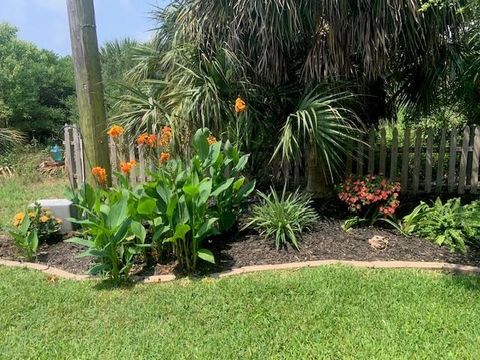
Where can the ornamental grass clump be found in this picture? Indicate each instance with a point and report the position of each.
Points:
(283, 217)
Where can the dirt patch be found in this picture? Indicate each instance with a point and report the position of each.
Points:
(61, 255)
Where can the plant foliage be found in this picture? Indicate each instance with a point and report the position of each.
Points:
(283, 217)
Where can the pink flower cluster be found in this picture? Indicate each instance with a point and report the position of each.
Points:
(362, 191)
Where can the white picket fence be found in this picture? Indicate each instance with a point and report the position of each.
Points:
(424, 162)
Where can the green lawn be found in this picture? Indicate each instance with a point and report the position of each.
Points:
(28, 184)
(16, 193)
(333, 312)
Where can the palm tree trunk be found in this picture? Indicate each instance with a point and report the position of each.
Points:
(317, 183)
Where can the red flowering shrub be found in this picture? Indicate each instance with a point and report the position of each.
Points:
(364, 194)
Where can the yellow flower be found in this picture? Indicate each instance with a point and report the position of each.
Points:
(18, 218)
(115, 131)
(240, 105)
(31, 214)
(58, 220)
(43, 219)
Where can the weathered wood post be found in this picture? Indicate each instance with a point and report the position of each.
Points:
(88, 79)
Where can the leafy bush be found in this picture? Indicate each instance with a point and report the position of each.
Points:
(111, 233)
(185, 202)
(449, 224)
(196, 199)
(283, 217)
(369, 198)
(32, 228)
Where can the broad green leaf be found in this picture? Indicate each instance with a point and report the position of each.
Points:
(223, 187)
(138, 230)
(181, 231)
(80, 241)
(206, 229)
(118, 213)
(206, 255)
(191, 190)
(200, 142)
(146, 206)
(238, 184)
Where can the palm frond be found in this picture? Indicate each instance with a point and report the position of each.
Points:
(324, 125)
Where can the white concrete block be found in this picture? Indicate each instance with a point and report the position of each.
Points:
(60, 208)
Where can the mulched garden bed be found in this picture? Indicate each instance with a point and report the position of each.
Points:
(327, 241)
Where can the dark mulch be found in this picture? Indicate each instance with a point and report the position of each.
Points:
(59, 254)
(327, 241)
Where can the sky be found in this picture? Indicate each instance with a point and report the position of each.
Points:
(45, 22)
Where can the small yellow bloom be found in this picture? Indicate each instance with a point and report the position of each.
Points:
(240, 105)
(31, 214)
(58, 220)
(18, 218)
(44, 219)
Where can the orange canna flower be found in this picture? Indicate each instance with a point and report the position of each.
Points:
(151, 140)
(115, 131)
(101, 174)
(240, 105)
(142, 139)
(166, 136)
(164, 157)
(211, 140)
(126, 167)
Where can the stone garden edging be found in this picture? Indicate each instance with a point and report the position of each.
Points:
(453, 268)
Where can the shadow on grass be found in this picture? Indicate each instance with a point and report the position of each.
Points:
(469, 282)
(109, 284)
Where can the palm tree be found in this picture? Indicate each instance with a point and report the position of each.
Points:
(278, 54)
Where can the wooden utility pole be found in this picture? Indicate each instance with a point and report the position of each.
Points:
(89, 85)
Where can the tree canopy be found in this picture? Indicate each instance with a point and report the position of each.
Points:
(37, 87)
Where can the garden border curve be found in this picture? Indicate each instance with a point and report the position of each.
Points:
(447, 267)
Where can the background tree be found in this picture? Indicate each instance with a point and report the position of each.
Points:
(35, 87)
(282, 56)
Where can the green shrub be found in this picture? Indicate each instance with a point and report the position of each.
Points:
(449, 224)
(283, 217)
(197, 199)
(111, 234)
(186, 202)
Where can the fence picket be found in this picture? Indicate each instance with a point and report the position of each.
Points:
(462, 175)
(441, 158)
(371, 151)
(77, 148)
(383, 151)
(405, 159)
(428, 162)
(475, 161)
(417, 160)
(133, 172)
(360, 156)
(141, 161)
(67, 130)
(394, 157)
(452, 160)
